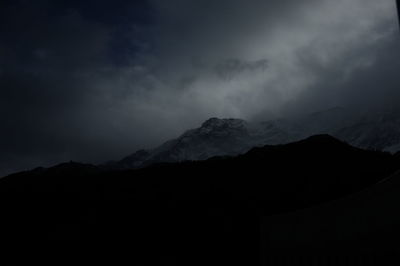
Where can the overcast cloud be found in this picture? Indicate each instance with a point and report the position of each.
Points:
(97, 80)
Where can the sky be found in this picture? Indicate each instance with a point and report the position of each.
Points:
(93, 80)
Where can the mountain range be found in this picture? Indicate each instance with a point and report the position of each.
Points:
(220, 211)
(230, 137)
(229, 192)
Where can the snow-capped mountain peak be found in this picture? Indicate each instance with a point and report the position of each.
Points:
(229, 137)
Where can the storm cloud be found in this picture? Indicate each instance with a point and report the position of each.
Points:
(96, 80)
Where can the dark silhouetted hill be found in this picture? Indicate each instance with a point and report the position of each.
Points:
(189, 213)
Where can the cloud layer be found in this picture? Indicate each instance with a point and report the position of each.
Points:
(95, 81)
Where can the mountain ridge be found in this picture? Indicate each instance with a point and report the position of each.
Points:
(196, 211)
(231, 137)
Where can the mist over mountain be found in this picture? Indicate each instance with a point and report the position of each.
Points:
(229, 137)
(93, 80)
(201, 132)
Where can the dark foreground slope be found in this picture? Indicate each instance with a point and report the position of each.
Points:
(365, 224)
(192, 213)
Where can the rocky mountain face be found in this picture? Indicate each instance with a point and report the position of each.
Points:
(379, 134)
(230, 137)
(215, 137)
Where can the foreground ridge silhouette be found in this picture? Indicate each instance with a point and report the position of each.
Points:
(241, 210)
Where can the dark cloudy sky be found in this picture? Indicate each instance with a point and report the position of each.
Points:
(95, 80)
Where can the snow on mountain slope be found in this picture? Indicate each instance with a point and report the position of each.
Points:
(215, 137)
(229, 137)
(382, 133)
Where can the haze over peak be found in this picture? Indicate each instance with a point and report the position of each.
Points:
(230, 137)
(100, 79)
